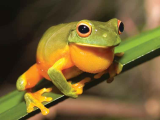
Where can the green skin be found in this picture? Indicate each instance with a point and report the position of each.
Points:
(103, 35)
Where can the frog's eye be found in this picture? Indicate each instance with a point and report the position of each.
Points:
(84, 29)
(120, 27)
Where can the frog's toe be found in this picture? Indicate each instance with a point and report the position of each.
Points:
(119, 68)
(115, 68)
(72, 94)
(110, 80)
(47, 99)
(35, 100)
(119, 54)
(44, 90)
(78, 87)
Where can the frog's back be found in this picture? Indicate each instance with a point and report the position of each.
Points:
(53, 46)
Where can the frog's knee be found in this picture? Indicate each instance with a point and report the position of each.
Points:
(29, 79)
(21, 83)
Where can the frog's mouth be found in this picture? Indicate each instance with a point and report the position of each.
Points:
(96, 46)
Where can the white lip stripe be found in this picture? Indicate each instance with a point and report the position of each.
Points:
(92, 45)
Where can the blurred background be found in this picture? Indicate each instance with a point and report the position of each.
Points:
(133, 95)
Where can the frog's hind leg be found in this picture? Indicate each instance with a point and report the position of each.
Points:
(27, 81)
(36, 99)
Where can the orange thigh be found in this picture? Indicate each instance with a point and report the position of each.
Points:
(32, 76)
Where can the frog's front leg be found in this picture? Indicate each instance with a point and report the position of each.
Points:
(58, 79)
(115, 68)
(27, 81)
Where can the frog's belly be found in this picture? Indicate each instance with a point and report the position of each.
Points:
(91, 59)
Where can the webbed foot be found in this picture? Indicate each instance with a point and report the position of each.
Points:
(77, 88)
(36, 99)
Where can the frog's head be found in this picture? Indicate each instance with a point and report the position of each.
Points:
(97, 34)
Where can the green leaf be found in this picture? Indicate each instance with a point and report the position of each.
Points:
(137, 50)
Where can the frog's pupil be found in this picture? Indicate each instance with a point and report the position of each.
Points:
(121, 27)
(83, 29)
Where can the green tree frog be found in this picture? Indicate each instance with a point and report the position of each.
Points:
(67, 50)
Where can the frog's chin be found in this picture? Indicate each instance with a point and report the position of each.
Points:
(96, 46)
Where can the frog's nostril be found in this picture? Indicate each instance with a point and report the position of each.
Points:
(105, 35)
